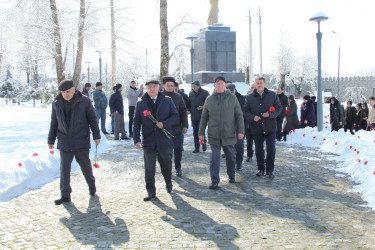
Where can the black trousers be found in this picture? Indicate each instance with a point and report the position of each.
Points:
(165, 161)
(279, 121)
(66, 158)
(349, 127)
(195, 133)
(131, 117)
(249, 143)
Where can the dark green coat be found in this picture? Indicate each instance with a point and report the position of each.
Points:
(223, 115)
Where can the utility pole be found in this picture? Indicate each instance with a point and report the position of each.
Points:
(88, 71)
(100, 65)
(251, 73)
(260, 45)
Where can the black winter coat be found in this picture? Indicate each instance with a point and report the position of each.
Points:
(337, 114)
(351, 116)
(116, 103)
(291, 118)
(181, 109)
(76, 135)
(196, 100)
(308, 113)
(284, 103)
(152, 136)
(256, 105)
(186, 99)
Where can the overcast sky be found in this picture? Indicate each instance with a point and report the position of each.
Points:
(353, 20)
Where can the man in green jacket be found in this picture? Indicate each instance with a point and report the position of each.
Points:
(223, 115)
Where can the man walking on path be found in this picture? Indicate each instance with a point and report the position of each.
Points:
(180, 128)
(280, 118)
(223, 115)
(197, 98)
(155, 142)
(133, 94)
(72, 118)
(117, 106)
(261, 109)
(100, 102)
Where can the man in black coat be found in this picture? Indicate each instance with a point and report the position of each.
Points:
(350, 117)
(116, 104)
(197, 98)
(72, 117)
(179, 129)
(261, 109)
(155, 142)
(280, 118)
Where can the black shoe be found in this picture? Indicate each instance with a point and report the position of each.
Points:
(149, 197)
(131, 135)
(204, 147)
(92, 191)
(270, 175)
(260, 173)
(116, 139)
(214, 185)
(62, 200)
(223, 155)
(239, 166)
(232, 180)
(249, 159)
(125, 138)
(169, 188)
(112, 133)
(196, 151)
(106, 133)
(179, 172)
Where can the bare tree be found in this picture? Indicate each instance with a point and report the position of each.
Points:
(81, 28)
(284, 58)
(303, 74)
(164, 34)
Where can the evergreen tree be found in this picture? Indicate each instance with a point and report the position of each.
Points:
(9, 87)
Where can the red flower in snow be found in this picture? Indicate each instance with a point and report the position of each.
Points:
(303, 135)
(95, 165)
(20, 164)
(358, 160)
(357, 152)
(366, 162)
(35, 154)
(272, 108)
(335, 143)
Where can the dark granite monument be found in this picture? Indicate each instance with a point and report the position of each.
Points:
(215, 55)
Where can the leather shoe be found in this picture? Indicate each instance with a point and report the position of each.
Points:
(179, 172)
(260, 173)
(214, 185)
(62, 200)
(239, 166)
(249, 159)
(232, 180)
(92, 191)
(169, 188)
(149, 197)
(270, 175)
(106, 133)
(196, 151)
(204, 147)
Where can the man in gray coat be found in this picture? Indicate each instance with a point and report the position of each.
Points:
(223, 115)
(133, 94)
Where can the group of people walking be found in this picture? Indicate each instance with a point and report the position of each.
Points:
(159, 120)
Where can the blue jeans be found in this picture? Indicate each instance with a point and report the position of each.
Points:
(271, 151)
(177, 149)
(100, 115)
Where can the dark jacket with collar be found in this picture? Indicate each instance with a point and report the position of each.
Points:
(181, 109)
(116, 103)
(74, 136)
(256, 105)
(186, 99)
(152, 136)
(337, 114)
(284, 103)
(196, 100)
(292, 117)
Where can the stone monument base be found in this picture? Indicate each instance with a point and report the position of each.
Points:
(209, 76)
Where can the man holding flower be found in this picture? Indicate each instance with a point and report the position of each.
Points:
(155, 114)
(261, 109)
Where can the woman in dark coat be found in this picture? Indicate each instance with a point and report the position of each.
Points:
(337, 115)
(363, 116)
(350, 117)
(307, 112)
(291, 121)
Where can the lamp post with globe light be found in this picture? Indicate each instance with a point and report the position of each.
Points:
(192, 38)
(319, 17)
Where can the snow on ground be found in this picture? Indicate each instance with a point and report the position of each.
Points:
(24, 133)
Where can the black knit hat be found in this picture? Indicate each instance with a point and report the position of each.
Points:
(66, 84)
(307, 97)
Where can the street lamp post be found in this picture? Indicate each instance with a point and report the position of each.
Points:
(192, 38)
(100, 64)
(88, 71)
(338, 69)
(319, 17)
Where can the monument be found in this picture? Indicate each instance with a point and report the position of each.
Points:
(215, 51)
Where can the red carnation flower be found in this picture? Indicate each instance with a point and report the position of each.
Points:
(35, 154)
(303, 135)
(357, 152)
(51, 152)
(287, 111)
(358, 160)
(335, 143)
(366, 162)
(351, 147)
(272, 108)
(95, 165)
(20, 164)
(202, 143)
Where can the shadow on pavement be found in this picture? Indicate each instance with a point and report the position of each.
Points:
(194, 222)
(95, 227)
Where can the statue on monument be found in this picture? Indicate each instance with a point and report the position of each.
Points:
(214, 12)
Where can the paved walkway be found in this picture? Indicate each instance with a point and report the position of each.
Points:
(307, 205)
